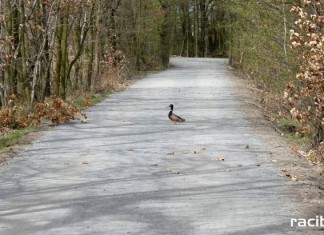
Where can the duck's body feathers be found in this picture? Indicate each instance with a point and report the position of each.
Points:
(173, 117)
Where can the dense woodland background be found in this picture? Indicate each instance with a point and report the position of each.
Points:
(52, 50)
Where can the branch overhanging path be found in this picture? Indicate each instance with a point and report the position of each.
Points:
(130, 170)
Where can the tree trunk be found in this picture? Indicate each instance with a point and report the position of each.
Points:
(64, 47)
(23, 80)
(196, 28)
(165, 34)
(203, 45)
(47, 59)
(91, 49)
(13, 31)
(58, 66)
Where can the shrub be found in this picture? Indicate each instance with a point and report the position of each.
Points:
(305, 94)
(55, 110)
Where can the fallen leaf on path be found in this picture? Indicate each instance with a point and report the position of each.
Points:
(274, 160)
(170, 153)
(294, 178)
(194, 152)
(84, 121)
(85, 163)
(172, 171)
(247, 146)
(294, 149)
(168, 170)
(130, 149)
(154, 164)
(203, 149)
(220, 159)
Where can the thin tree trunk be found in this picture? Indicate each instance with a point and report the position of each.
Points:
(12, 29)
(164, 35)
(285, 30)
(64, 47)
(91, 49)
(196, 25)
(47, 62)
(80, 38)
(97, 43)
(23, 83)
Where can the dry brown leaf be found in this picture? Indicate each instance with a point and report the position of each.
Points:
(170, 153)
(168, 169)
(172, 171)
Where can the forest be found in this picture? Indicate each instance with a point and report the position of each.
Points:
(52, 52)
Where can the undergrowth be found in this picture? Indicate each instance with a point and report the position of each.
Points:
(12, 137)
(18, 119)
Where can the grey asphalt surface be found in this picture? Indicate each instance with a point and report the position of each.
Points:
(131, 171)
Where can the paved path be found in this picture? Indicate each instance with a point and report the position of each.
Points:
(131, 171)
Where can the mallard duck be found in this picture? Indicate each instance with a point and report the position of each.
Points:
(173, 117)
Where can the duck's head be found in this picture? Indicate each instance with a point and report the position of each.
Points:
(171, 106)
